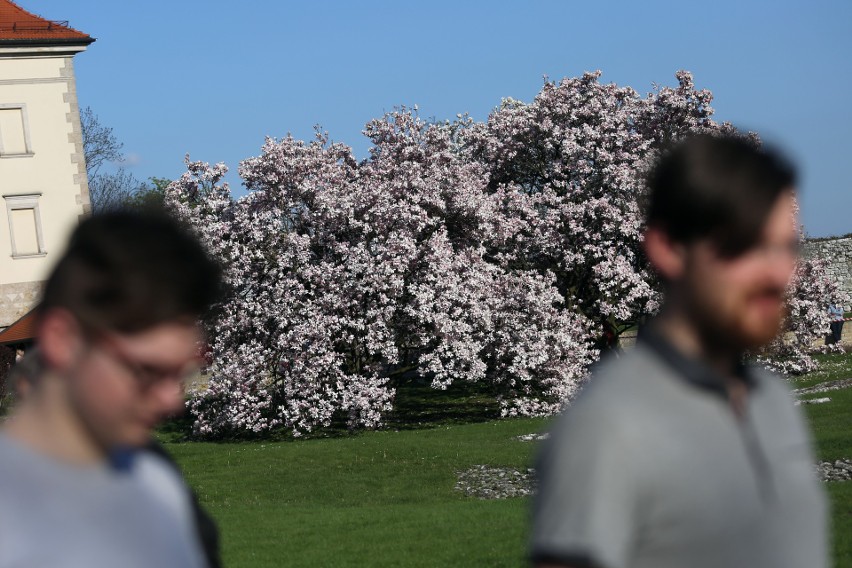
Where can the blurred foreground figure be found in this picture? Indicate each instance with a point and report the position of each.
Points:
(676, 454)
(117, 337)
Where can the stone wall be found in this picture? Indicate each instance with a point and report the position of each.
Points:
(16, 300)
(838, 253)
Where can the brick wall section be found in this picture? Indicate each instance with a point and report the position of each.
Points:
(838, 253)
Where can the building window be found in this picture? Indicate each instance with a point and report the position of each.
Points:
(25, 225)
(14, 131)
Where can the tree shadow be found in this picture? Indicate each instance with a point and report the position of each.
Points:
(418, 405)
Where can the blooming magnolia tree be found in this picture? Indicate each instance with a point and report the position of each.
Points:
(496, 252)
(807, 321)
(345, 275)
(570, 168)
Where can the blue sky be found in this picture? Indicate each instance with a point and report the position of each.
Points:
(212, 78)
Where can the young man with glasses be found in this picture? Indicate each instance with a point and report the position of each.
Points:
(677, 453)
(117, 338)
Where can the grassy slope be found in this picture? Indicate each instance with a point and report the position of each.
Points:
(831, 424)
(386, 498)
(375, 499)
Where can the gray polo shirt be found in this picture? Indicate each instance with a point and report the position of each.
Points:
(57, 515)
(650, 468)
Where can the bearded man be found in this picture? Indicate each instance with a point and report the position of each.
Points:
(678, 454)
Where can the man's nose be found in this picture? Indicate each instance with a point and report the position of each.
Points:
(169, 397)
(781, 267)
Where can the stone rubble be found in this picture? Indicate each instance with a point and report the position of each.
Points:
(533, 437)
(839, 470)
(824, 387)
(812, 401)
(486, 482)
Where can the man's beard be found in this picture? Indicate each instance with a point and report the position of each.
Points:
(753, 323)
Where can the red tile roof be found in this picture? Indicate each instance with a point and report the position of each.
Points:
(17, 26)
(22, 330)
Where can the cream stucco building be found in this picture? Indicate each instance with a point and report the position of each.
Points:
(43, 182)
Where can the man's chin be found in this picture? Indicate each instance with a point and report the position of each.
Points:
(756, 337)
(133, 440)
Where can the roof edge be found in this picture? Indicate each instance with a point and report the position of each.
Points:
(21, 331)
(47, 42)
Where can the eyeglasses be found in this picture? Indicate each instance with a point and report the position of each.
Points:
(146, 374)
(789, 250)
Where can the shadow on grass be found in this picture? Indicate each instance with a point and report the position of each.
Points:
(176, 429)
(416, 406)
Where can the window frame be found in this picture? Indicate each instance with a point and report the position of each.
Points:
(28, 151)
(15, 202)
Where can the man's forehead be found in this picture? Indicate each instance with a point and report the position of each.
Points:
(780, 227)
(170, 337)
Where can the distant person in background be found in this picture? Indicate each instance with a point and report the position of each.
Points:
(117, 336)
(676, 454)
(836, 313)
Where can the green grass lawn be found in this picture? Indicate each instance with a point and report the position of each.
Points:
(374, 499)
(386, 498)
(831, 424)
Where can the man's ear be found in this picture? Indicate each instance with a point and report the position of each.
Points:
(666, 256)
(60, 339)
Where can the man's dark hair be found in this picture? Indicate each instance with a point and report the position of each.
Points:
(718, 187)
(127, 271)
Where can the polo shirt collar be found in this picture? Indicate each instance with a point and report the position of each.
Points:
(693, 371)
